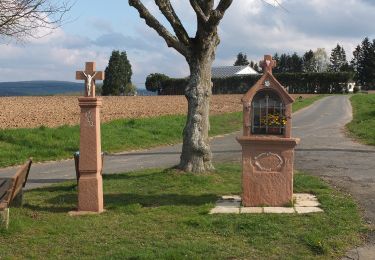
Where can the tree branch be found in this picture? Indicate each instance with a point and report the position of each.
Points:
(170, 39)
(19, 19)
(198, 10)
(167, 10)
(218, 13)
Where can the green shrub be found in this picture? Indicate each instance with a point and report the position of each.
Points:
(297, 83)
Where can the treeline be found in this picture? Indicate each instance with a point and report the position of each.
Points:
(363, 63)
(310, 61)
(361, 67)
(298, 83)
(313, 72)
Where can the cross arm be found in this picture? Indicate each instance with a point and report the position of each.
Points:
(80, 75)
(99, 75)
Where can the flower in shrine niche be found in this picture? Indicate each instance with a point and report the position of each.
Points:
(274, 120)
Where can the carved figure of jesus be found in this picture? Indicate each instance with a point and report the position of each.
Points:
(89, 79)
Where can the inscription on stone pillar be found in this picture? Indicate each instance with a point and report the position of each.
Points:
(89, 118)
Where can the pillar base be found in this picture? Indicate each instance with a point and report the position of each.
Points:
(90, 193)
(267, 171)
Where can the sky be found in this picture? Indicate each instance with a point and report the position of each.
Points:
(93, 29)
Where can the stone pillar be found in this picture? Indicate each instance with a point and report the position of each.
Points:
(267, 175)
(90, 185)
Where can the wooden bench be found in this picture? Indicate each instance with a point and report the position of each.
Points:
(11, 192)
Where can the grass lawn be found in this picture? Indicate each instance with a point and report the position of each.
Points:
(363, 124)
(43, 144)
(163, 214)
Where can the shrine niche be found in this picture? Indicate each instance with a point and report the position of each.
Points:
(267, 146)
(267, 113)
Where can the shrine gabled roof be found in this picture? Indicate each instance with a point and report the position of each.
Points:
(275, 85)
(231, 71)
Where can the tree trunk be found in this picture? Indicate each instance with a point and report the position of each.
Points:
(196, 152)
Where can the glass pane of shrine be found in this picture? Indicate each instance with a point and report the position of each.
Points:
(267, 114)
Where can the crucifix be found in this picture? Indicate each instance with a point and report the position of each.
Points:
(90, 183)
(268, 64)
(89, 76)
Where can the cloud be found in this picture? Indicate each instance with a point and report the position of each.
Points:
(260, 28)
(249, 26)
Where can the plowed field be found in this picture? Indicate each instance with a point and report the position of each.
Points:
(31, 112)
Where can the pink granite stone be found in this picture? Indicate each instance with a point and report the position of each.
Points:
(90, 185)
(267, 159)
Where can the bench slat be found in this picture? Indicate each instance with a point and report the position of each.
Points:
(20, 178)
(10, 189)
(3, 205)
(5, 185)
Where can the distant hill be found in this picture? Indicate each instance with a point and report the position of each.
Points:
(48, 88)
(39, 88)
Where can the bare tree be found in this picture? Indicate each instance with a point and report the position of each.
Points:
(23, 18)
(199, 52)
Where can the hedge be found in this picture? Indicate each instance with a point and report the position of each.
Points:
(298, 83)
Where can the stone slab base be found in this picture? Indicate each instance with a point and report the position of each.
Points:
(4, 218)
(303, 204)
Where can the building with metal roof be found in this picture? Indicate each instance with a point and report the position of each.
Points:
(231, 71)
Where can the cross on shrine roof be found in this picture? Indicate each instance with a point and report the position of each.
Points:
(268, 64)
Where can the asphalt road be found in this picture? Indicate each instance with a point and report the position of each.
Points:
(324, 151)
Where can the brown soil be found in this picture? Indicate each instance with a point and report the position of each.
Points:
(31, 112)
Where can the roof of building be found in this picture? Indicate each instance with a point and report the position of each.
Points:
(230, 71)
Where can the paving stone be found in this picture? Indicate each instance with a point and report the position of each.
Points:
(251, 210)
(278, 210)
(228, 203)
(305, 210)
(304, 196)
(225, 210)
(231, 204)
(306, 203)
(365, 252)
(231, 197)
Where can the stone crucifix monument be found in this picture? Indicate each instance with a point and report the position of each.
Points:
(90, 185)
(267, 145)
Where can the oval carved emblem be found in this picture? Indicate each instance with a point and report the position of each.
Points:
(268, 162)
